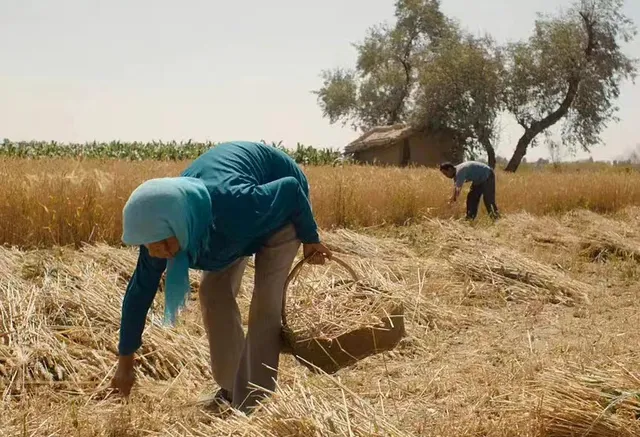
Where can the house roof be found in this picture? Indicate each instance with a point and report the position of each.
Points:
(380, 136)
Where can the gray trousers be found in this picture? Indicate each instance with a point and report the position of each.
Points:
(239, 364)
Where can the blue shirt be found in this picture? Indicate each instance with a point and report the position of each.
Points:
(471, 171)
(255, 190)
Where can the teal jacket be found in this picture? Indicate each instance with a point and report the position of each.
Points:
(255, 190)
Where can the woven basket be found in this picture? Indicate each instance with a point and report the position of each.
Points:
(332, 354)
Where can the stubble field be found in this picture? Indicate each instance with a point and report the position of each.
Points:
(526, 327)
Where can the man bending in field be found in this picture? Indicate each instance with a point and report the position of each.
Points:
(483, 184)
(237, 200)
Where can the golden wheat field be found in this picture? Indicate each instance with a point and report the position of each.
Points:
(61, 201)
(526, 327)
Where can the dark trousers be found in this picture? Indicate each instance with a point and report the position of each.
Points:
(486, 190)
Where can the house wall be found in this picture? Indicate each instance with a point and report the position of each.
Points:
(425, 150)
(391, 155)
(432, 149)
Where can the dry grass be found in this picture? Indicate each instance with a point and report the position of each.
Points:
(329, 303)
(473, 363)
(589, 402)
(510, 272)
(59, 202)
(335, 320)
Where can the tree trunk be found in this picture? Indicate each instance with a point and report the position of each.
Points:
(483, 135)
(541, 125)
(491, 153)
(395, 116)
(491, 156)
(406, 153)
(521, 150)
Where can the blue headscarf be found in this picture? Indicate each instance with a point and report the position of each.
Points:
(168, 207)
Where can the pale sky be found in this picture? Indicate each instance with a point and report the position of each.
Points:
(84, 70)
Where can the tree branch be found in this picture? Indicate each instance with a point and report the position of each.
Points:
(394, 115)
(522, 123)
(574, 80)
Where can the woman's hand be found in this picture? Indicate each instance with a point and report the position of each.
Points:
(316, 253)
(125, 377)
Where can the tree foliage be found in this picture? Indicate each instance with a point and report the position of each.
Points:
(570, 69)
(403, 74)
(379, 90)
(461, 89)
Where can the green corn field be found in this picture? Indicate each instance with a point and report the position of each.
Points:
(139, 151)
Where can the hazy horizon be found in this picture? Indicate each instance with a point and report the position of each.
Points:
(100, 71)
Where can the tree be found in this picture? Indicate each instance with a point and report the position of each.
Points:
(379, 90)
(461, 88)
(570, 69)
(402, 71)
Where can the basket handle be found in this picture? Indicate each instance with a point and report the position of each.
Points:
(296, 269)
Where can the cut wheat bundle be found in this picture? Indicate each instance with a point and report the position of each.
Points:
(601, 237)
(522, 278)
(121, 261)
(588, 402)
(601, 246)
(340, 322)
(345, 241)
(62, 330)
